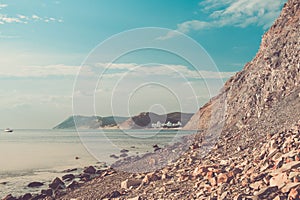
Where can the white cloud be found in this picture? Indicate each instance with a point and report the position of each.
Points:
(3, 6)
(169, 35)
(112, 70)
(35, 17)
(185, 27)
(117, 70)
(39, 71)
(7, 19)
(238, 13)
(23, 19)
(242, 13)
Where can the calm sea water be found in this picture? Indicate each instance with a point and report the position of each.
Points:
(41, 155)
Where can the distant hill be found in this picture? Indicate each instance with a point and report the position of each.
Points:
(147, 119)
(143, 120)
(90, 122)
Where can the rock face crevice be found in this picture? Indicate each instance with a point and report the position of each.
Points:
(258, 92)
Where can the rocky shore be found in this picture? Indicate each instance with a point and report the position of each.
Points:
(271, 171)
(256, 155)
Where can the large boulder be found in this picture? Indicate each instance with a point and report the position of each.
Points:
(90, 170)
(68, 177)
(57, 184)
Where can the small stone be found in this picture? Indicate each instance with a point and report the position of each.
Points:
(293, 174)
(113, 194)
(86, 177)
(150, 177)
(128, 183)
(256, 185)
(289, 166)
(279, 180)
(294, 194)
(213, 181)
(223, 196)
(263, 193)
(26, 196)
(114, 156)
(123, 155)
(289, 186)
(69, 170)
(238, 197)
(223, 162)
(124, 151)
(47, 192)
(165, 176)
(73, 185)
(222, 178)
(201, 170)
(9, 197)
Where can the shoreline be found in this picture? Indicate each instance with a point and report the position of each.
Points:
(71, 179)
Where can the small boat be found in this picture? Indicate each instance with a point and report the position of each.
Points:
(8, 130)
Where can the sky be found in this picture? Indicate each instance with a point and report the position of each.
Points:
(65, 57)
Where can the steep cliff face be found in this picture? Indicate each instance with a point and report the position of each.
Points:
(267, 87)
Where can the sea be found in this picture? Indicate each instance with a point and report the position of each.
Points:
(42, 155)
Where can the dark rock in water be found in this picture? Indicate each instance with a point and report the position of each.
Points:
(155, 146)
(124, 151)
(35, 184)
(3, 183)
(57, 184)
(124, 155)
(73, 185)
(47, 192)
(68, 177)
(85, 177)
(26, 196)
(69, 170)
(76, 158)
(113, 194)
(9, 197)
(114, 156)
(90, 170)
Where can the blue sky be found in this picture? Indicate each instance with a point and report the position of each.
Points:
(43, 44)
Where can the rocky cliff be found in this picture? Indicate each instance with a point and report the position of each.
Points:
(265, 94)
(257, 154)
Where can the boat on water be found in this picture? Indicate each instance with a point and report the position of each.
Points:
(8, 130)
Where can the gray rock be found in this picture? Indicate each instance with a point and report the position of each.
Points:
(57, 184)
(90, 170)
(35, 184)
